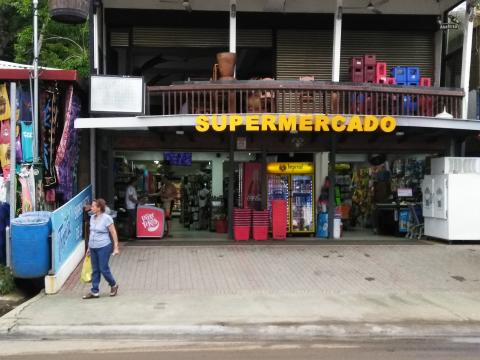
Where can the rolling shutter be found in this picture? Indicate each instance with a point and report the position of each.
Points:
(304, 53)
(199, 37)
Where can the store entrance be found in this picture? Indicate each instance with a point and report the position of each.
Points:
(188, 186)
(377, 196)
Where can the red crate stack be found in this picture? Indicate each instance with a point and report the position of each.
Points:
(425, 81)
(370, 62)
(381, 73)
(357, 69)
(279, 219)
(426, 102)
(242, 222)
(391, 81)
(260, 224)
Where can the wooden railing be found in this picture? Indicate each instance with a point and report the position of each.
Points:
(218, 97)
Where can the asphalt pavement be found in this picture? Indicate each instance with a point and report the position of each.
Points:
(438, 349)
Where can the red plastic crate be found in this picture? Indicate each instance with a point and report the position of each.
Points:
(425, 105)
(381, 73)
(241, 233)
(357, 76)
(369, 60)
(357, 63)
(391, 81)
(370, 75)
(425, 81)
(260, 233)
(279, 219)
(357, 69)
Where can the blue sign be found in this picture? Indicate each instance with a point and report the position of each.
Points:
(67, 228)
(178, 159)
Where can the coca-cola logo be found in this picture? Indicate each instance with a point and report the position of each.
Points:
(150, 223)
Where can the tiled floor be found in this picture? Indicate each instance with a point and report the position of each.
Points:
(235, 269)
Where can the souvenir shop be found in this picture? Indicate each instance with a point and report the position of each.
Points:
(51, 180)
(200, 180)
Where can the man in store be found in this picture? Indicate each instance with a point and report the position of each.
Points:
(131, 202)
(167, 193)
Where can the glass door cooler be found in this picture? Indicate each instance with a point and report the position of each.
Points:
(294, 183)
(278, 189)
(302, 201)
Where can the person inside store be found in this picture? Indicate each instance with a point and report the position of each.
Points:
(131, 202)
(102, 243)
(167, 194)
(203, 207)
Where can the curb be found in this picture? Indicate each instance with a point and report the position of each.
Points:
(250, 331)
(8, 321)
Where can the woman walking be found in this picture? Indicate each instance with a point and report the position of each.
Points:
(100, 247)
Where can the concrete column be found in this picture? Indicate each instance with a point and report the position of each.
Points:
(233, 26)
(321, 171)
(337, 41)
(231, 182)
(467, 57)
(331, 193)
(217, 177)
(438, 58)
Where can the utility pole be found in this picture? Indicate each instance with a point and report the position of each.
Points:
(35, 81)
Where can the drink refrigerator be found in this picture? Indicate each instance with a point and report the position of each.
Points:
(294, 182)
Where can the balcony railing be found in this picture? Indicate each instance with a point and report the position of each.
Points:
(303, 97)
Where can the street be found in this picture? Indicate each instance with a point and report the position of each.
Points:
(437, 349)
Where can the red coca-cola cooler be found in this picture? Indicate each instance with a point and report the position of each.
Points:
(279, 219)
(150, 222)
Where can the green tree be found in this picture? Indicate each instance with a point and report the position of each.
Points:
(61, 45)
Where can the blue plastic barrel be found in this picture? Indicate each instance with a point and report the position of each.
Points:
(36, 214)
(31, 255)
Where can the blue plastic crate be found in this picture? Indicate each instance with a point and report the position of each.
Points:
(400, 74)
(413, 74)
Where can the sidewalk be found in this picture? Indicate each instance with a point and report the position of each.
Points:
(269, 291)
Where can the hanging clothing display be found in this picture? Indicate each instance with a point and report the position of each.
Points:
(68, 150)
(4, 103)
(49, 118)
(27, 141)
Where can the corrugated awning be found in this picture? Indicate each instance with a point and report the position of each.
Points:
(13, 71)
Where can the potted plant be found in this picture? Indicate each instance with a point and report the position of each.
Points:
(69, 11)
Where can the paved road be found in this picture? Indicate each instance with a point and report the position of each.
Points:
(443, 349)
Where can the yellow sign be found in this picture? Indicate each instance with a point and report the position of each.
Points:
(296, 122)
(290, 168)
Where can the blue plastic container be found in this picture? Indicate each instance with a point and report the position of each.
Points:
(400, 74)
(31, 255)
(37, 214)
(413, 75)
(322, 225)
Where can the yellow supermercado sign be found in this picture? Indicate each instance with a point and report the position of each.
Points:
(290, 168)
(296, 122)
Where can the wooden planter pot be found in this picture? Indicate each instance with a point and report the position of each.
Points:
(69, 11)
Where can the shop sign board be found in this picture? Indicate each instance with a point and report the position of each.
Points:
(117, 94)
(295, 122)
(150, 222)
(290, 168)
(67, 228)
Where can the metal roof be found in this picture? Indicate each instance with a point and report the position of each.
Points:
(14, 71)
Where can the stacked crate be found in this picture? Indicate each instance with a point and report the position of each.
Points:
(260, 224)
(426, 102)
(357, 70)
(370, 63)
(242, 223)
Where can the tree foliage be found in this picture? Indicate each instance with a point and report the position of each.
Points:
(61, 45)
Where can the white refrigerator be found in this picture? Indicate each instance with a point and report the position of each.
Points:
(451, 206)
